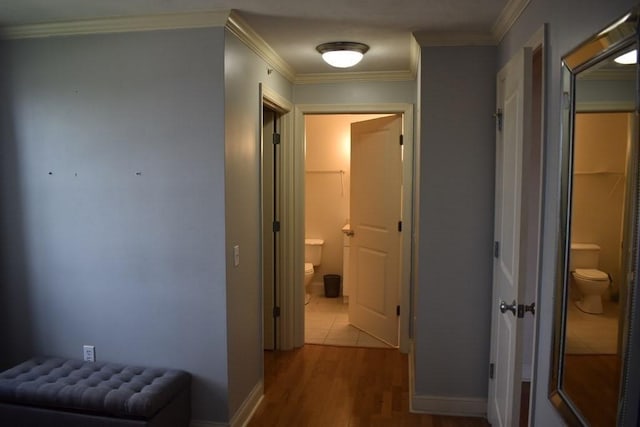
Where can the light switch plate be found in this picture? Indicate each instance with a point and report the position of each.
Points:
(236, 255)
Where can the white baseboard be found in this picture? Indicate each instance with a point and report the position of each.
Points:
(242, 415)
(442, 405)
(526, 372)
(245, 412)
(454, 406)
(201, 423)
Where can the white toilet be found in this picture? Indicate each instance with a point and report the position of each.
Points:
(312, 257)
(591, 282)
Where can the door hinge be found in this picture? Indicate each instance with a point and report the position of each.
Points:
(492, 370)
(397, 310)
(401, 139)
(496, 249)
(498, 116)
(276, 226)
(399, 225)
(276, 139)
(276, 311)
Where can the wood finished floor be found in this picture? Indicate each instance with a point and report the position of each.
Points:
(592, 381)
(342, 386)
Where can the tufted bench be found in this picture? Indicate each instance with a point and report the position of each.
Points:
(61, 392)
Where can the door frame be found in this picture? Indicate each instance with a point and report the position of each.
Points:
(285, 256)
(292, 327)
(538, 41)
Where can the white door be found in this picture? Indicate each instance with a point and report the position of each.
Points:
(513, 99)
(375, 205)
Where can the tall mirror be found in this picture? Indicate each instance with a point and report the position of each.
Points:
(595, 290)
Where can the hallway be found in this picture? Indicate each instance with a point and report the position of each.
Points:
(342, 386)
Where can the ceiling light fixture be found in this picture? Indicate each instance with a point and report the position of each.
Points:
(628, 58)
(342, 54)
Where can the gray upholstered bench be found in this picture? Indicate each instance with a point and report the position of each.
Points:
(71, 393)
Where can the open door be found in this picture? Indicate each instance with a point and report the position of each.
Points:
(513, 117)
(376, 214)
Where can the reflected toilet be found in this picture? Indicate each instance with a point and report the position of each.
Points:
(591, 282)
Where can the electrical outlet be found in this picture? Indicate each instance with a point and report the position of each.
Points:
(89, 353)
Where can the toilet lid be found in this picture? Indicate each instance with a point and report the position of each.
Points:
(308, 267)
(591, 274)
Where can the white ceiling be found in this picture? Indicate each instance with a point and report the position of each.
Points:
(293, 28)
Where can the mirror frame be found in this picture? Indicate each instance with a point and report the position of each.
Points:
(619, 35)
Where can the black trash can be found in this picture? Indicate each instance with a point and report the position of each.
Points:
(331, 285)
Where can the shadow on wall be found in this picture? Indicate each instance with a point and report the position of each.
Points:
(16, 333)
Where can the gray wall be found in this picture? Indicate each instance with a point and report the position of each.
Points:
(356, 93)
(570, 22)
(112, 209)
(244, 71)
(454, 266)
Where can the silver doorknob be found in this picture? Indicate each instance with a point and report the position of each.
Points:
(504, 307)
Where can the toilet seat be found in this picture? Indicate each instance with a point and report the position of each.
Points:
(308, 268)
(591, 274)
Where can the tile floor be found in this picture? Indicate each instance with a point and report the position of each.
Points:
(592, 333)
(327, 322)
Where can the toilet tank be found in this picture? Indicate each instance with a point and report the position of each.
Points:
(313, 251)
(584, 255)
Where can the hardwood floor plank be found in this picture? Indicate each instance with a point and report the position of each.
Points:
(342, 386)
(592, 381)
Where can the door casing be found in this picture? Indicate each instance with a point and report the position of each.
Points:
(296, 239)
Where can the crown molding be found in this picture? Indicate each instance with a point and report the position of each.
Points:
(118, 24)
(622, 74)
(425, 38)
(253, 41)
(414, 56)
(365, 76)
(509, 15)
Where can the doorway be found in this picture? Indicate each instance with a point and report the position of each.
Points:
(300, 177)
(277, 219)
(270, 178)
(353, 168)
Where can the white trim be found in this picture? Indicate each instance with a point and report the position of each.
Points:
(414, 59)
(202, 423)
(410, 145)
(526, 372)
(425, 38)
(118, 24)
(440, 405)
(443, 405)
(365, 76)
(598, 106)
(244, 413)
(286, 255)
(509, 15)
(613, 75)
(249, 37)
(538, 40)
(279, 102)
(412, 374)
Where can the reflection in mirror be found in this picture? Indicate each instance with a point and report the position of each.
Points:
(600, 143)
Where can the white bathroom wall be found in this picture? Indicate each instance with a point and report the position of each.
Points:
(328, 150)
(599, 185)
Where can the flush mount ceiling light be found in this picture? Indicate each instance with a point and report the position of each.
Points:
(628, 58)
(342, 54)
